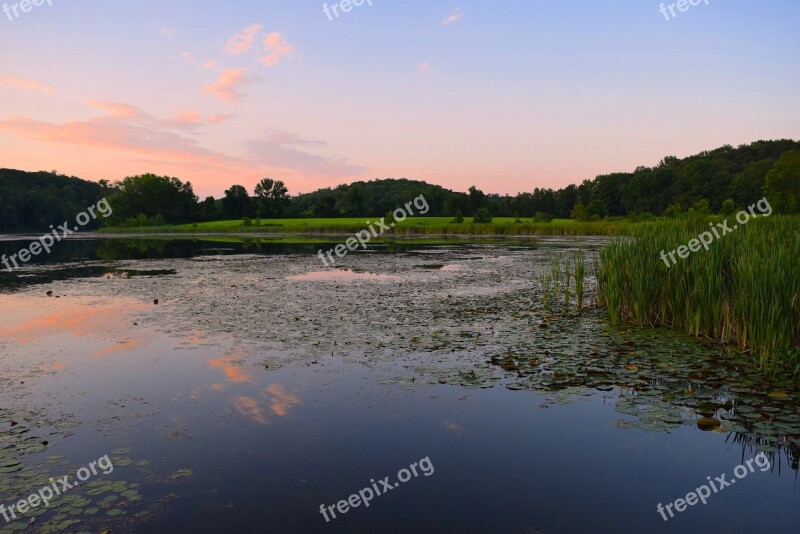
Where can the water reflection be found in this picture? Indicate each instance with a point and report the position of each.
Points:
(231, 365)
(275, 398)
(249, 408)
(35, 319)
(281, 401)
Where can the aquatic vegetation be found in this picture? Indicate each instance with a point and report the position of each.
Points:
(24, 471)
(556, 284)
(181, 473)
(744, 291)
(580, 278)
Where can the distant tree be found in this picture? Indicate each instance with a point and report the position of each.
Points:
(477, 199)
(32, 201)
(150, 195)
(325, 207)
(747, 186)
(596, 208)
(579, 212)
(782, 185)
(560, 202)
(701, 208)
(9, 218)
(354, 201)
(459, 218)
(236, 203)
(673, 211)
(271, 197)
(482, 216)
(728, 207)
(107, 187)
(208, 209)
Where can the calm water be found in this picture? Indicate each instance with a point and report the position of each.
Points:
(262, 386)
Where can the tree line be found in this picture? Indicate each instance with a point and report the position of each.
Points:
(35, 200)
(718, 181)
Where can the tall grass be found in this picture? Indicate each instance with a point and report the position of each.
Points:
(745, 290)
(580, 277)
(555, 283)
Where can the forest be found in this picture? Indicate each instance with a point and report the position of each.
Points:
(716, 181)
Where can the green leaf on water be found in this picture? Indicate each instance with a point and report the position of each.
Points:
(181, 473)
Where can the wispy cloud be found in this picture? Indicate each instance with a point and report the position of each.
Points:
(169, 33)
(287, 138)
(128, 134)
(455, 16)
(125, 136)
(275, 48)
(189, 116)
(211, 64)
(226, 87)
(116, 109)
(241, 42)
(277, 149)
(425, 66)
(25, 85)
(220, 117)
(188, 58)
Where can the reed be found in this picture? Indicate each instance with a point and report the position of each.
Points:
(556, 283)
(580, 278)
(744, 291)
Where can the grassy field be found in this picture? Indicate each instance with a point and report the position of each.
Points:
(413, 226)
(744, 290)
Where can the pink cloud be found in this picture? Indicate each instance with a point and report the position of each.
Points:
(241, 42)
(125, 137)
(116, 109)
(287, 138)
(277, 151)
(275, 47)
(220, 117)
(139, 135)
(188, 58)
(211, 64)
(455, 16)
(188, 116)
(26, 85)
(169, 33)
(226, 86)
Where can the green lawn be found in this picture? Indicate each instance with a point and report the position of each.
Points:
(500, 226)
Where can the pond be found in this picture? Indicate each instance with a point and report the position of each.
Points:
(237, 385)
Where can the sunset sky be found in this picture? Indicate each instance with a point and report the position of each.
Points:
(506, 95)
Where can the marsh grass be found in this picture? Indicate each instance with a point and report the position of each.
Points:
(580, 278)
(744, 291)
(556, 283)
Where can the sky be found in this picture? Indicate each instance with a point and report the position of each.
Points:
(507, 96)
